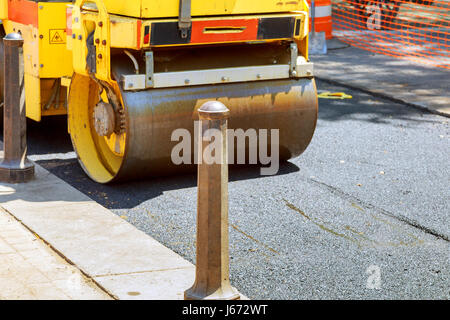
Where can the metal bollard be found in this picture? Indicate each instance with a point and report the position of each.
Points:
(15, 167)
(212, 267)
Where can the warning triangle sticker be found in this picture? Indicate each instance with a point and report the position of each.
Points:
(55, 37)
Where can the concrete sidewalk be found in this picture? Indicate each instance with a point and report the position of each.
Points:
(30, 269)
(402, 80)
(119, 261)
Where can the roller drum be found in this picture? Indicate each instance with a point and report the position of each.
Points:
(152, 115)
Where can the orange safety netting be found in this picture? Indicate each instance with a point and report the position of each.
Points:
(417, 30)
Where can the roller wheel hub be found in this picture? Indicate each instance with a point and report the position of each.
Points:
(104, 119)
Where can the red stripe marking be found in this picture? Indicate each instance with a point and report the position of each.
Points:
(139, 31)
(200, 34)
(24, 12)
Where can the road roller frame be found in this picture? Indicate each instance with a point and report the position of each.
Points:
(91, 59)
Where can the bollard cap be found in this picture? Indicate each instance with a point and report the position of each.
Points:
(13, 39)
(213, 110)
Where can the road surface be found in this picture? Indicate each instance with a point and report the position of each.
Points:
(362, 214)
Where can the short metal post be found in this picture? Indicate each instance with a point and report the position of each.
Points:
(15, 167)
(212, 266)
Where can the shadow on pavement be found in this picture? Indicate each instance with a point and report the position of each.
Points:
(128, 195)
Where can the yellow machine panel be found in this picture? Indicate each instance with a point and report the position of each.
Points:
(170, 8)
(45, 55)
(54, 58)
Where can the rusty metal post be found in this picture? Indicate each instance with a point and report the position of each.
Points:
(212, 266)
(15, 167)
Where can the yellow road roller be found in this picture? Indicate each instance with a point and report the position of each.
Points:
(129, 73)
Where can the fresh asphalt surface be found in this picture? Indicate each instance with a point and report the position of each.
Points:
(372, 189)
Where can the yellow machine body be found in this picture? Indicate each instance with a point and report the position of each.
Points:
(147, 66)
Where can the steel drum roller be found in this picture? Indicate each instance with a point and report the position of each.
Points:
(152, 115)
